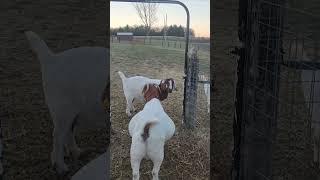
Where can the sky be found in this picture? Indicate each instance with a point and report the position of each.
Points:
(123, 13)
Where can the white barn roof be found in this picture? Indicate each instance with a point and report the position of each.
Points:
(124, 34)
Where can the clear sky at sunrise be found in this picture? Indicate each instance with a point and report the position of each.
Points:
(122, 13)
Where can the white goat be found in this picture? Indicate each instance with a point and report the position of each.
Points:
(206, 88)
(133, 86)
(73, 82)
(313, 90)
(149, 129)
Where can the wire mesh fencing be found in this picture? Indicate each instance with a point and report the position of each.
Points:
(197, 95)
(190, 105)
(277, 120)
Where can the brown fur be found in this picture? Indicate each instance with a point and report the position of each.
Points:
(150, 91)
(146, 128)
(160, 91)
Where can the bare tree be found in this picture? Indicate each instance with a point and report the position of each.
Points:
(148, 14)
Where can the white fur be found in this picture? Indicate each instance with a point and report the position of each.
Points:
(159, 133)
(132, 88)
(73, 82)
(206, 88)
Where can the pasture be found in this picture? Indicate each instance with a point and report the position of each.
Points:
(187, 153)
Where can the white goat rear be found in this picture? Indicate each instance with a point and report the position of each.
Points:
(149, 129)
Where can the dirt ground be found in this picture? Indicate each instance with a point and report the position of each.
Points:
(187, 153)
(26, 124)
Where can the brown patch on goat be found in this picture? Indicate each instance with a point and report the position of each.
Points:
(150, 91)
(160, 91)
(146, 128)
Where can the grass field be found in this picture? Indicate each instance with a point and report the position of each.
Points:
(187, 153)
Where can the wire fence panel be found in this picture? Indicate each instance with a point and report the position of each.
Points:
(277, 121)
(191, 90)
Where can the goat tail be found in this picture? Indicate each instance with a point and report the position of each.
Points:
(122, 76)
(38, 45)
(146, 128)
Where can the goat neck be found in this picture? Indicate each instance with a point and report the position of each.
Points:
(151, 91)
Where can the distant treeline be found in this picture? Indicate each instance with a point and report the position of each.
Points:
(172, 30)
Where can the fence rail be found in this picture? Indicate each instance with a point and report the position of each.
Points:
(171, 42)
